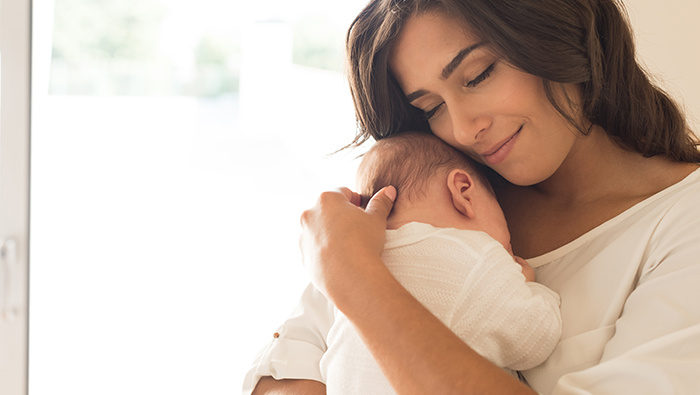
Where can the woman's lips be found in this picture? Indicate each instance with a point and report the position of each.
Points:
(498, 154)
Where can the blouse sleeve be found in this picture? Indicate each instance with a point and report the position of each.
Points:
(655, 348)
(295, 350)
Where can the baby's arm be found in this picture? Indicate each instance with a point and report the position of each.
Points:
(513, 322)
(475, 287)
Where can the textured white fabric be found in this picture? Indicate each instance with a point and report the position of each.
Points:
(473, 285)
(299, 345)
(629, 294)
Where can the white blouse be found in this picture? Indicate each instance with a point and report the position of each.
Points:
(630, 307)
(630, 301)
(470, 283)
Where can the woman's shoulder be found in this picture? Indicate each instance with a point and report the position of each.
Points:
(665, 221)
(674, 203)
(678, 207)
(677, 203)
(682, 195)
(656, 228)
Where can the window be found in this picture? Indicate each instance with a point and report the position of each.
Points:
(175, 145)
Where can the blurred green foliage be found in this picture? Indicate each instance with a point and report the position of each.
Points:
(317, 43)
(105, 47)
(108, 47)
(106, 29)
(217, 62)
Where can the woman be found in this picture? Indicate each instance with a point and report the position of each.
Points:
(599, 187)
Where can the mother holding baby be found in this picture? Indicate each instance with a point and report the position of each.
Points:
(599, 183)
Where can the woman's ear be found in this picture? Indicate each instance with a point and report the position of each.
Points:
(461, 187)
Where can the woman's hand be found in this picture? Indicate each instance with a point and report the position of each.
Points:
(339, 239)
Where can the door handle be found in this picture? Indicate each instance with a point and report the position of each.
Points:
(8, 279)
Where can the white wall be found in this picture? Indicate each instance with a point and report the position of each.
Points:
(668, 42)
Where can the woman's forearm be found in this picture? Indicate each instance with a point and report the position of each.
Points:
(342, 247)
(269, 386)
(416, 351)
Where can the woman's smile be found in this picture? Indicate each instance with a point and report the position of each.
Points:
(501, 150)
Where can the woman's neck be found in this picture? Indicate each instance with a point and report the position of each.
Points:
(598, 181)
(598, 169)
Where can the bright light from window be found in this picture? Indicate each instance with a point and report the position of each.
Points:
(168, 177)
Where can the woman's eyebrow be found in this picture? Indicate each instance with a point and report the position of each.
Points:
(447, 71)
(415, 95)
(457, 60)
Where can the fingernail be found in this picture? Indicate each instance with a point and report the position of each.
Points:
(390, 192)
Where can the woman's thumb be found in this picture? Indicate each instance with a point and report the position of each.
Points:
(382, 202)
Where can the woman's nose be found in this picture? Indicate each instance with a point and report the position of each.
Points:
(469, 128)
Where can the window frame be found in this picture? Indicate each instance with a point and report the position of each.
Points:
(15, 121)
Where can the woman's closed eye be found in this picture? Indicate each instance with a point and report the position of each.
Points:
(481, 77)
(430, 113)
(470, 84)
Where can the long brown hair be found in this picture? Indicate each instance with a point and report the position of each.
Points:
(584, 42)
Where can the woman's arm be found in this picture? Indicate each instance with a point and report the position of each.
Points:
(296, 347)
(342, 248)
(416, 351)
(269, 386)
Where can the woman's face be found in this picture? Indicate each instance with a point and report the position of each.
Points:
(496, 114)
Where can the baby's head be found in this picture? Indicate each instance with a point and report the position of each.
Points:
(435, 183)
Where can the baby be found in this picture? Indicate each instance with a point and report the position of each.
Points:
(447, 243)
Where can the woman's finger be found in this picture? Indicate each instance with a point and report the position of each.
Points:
(334, 230)
(353, 197)
(382, 202)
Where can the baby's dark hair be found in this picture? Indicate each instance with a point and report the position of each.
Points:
(408, 161)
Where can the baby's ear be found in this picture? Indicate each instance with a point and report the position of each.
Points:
(461, 187)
